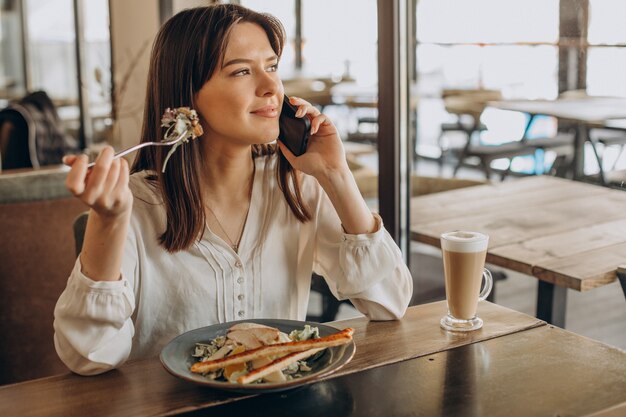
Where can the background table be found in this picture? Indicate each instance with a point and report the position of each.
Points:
(567, 234)
(584, 112)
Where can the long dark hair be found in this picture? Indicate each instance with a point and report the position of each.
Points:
(186, 52)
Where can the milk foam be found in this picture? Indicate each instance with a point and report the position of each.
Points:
(463, 241)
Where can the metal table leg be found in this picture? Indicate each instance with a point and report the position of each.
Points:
(578, 163)
(621, 275)
(551, 303)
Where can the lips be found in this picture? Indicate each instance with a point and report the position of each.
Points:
(266, 111)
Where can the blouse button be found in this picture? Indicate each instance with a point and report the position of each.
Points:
(240, 297)
(238, 264)
(241, 313)
(240, 280)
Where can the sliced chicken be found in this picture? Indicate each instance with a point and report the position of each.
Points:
(267, 336)
(248, 326)
(245, 338)
(264, 334)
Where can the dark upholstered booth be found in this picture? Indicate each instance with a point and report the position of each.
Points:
(36, 257)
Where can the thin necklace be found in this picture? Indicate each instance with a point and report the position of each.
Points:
(233, 244)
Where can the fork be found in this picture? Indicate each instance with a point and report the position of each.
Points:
(143, 145)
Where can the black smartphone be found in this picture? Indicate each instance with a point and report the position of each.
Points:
(294, 131)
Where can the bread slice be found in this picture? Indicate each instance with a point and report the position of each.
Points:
(276, 376)
(276, 366)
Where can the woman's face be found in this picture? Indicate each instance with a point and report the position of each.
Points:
(241, 102)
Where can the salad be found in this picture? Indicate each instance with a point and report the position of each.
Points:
(253, 353)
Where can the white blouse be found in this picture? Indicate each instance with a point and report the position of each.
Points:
(100, 324)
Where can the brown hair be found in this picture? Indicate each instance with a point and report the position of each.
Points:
(186, 52)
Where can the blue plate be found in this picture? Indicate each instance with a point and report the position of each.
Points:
(176, 356)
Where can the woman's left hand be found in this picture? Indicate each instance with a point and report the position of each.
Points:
(325, 153)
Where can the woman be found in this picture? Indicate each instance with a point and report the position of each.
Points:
(236, 224)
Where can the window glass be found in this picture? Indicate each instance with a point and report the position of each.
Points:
(51, 50)
(12, 83)
(606, 22)
(97, 50)
(475, 21)
(604, 79)
(97, 67)
(606, 64)
(343, 42)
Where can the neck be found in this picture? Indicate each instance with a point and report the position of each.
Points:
(226, 169)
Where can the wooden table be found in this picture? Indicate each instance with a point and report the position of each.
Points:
(565, 233)
(584, 112)
(515, 365)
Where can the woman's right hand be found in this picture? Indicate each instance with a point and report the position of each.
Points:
(104, 188)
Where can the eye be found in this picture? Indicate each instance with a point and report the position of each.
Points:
(273, 68)
(241, 72)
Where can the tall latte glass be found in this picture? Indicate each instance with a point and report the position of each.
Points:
(464, 256)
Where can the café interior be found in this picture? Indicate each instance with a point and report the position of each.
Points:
(504, 117)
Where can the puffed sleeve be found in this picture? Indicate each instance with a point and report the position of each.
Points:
(93, 329)
(368, 269)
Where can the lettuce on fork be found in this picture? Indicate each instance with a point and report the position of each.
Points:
(180, 121)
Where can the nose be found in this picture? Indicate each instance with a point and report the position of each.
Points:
(268, 84)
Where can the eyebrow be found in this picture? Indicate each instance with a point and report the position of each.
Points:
(247, 61)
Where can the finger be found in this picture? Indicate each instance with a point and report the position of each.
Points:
(296, 101)
(69, 159)
(317, 122)
(98, 175)
(75, 181)
(112, 177)
(122, 180)
(307, 109)
(304, 107)
(291, 158)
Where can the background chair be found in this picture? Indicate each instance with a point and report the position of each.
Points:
(36, 258)
(32, 135)
(607, 139)
(466, 105)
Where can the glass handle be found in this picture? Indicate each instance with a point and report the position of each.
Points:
(488, 285)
